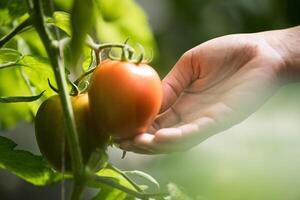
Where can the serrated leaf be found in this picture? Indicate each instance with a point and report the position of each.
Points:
(25, 165)
(16, 99)
(144, 175)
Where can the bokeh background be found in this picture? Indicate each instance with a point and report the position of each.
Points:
(258, 159)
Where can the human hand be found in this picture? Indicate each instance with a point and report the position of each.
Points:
(213, 87)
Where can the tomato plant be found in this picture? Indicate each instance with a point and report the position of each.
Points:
(50, 129)
(60, 46)
(125, 97)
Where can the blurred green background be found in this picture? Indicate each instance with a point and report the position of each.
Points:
(258, 159)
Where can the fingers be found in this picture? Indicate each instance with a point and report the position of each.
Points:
(177, 80)
(145, 144)
(166, 140)
(167, 119)
(169, 140)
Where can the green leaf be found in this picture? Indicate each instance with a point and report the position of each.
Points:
(29, 43)
(17, 8)
(16, 99)
(5, 19)
(110, 193)
(106, 172)
(25, 165)
(61, 20)
(13, 84)
(64, 4)
(38, 69)
(119, 20)
(144, 175)
(9, 55)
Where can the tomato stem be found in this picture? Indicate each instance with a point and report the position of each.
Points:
(56, 59)
(141, 58)
(124, 51)
(111, 182)
(26, 23)
(110, 166)
(98, 48)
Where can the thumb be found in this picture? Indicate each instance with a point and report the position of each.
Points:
(177, 80)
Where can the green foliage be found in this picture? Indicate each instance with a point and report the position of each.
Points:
(4, 17)
(143, 175)
(119, 20)
(15, 99)
(61, 20)
(25, 69)
(112, 25)
(31, 168)
(117, 176)
(13, 83)
(17, 8)
(108, 192)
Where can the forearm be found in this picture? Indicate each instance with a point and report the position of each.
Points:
(287, 43)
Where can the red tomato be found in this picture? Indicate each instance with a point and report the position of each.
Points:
(124, 97)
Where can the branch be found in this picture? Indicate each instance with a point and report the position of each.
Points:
(126, 177)
(15, 31)
(56, 60)
(110, 182)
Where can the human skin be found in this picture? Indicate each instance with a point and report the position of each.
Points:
(218, 84)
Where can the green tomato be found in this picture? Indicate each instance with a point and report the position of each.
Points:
(50, 130)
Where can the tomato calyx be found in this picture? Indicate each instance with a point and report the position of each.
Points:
(127, 55)
(81, 84)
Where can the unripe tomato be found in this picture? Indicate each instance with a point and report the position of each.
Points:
(50, 130)
(125, 97)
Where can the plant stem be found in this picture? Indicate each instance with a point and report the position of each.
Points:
(125, 176)
(98, 48)
(56, 61)
(14, 32)
(110, 182)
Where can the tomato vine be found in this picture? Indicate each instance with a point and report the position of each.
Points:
(82, 174)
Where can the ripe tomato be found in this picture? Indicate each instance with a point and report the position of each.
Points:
(50, 130)
(125, 97)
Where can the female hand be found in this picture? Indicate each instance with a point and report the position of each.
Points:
(216, 85)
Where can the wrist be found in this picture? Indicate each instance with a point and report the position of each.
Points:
(287, 43)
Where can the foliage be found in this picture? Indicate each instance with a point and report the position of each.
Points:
(34, 169)
(31, 70)
(35, 54)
